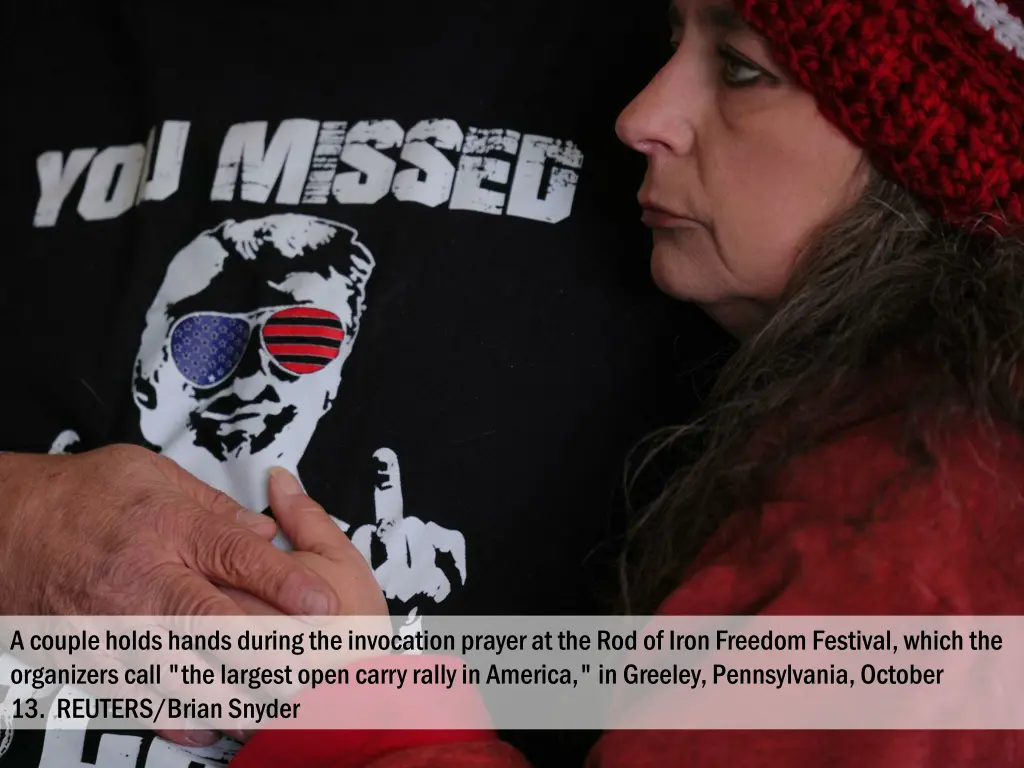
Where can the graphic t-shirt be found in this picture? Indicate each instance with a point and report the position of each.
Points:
(393, 247)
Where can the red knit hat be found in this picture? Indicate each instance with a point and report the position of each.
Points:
(932, 90)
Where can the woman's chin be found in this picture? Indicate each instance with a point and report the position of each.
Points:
(673, 276)
(677, 277)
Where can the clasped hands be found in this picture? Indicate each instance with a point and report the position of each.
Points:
(123, 531)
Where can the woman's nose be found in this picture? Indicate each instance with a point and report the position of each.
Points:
(662, 116)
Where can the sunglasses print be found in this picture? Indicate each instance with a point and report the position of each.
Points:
(207, 347)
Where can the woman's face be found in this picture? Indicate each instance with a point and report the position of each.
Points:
(741, 167)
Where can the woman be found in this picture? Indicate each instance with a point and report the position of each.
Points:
(840, 184)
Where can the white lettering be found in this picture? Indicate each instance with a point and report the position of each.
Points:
(112, 182)
(284, 162)
(525, 199)
(63, 747)
(371, 180)
(325, 162)
(56, 180)
(476, 169)
(165, 168)
(429, 182)
(491, 171)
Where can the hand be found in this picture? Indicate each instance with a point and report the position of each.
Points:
(320, 546)
(124, 531)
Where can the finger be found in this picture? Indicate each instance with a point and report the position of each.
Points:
(258, 523)
(387, 493)
(234, 557)
(249, 604)
(180, 591)
(306, 524)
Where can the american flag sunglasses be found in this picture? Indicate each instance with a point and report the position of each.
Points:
(207, 347)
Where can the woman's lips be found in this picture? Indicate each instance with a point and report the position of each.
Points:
(659, 218)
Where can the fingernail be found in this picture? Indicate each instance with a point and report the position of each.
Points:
(285, 482)
(202, 738)
(251, 519)
(315, 603)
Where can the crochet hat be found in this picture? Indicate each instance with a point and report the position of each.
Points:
(932, 90)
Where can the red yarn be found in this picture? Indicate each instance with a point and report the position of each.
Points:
(932, 96)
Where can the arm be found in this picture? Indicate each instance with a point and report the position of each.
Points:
(849, 537)
(460, 736)
(942, 543)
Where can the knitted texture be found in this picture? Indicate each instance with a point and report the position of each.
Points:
(932, 90)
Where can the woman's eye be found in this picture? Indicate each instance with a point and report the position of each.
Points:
(737, 73)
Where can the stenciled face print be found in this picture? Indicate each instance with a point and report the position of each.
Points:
(289, 343)
(244, 346)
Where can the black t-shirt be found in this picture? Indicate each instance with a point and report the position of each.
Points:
(391, 246)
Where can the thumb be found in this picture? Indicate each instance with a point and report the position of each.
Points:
(324, 548)
(306, 524)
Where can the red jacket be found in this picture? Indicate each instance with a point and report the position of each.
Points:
(850, 529)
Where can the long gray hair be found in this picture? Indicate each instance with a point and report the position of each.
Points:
(885, 289)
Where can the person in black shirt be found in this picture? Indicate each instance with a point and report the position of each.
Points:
(390, 247)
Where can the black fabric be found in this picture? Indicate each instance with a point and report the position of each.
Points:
(506, 362)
